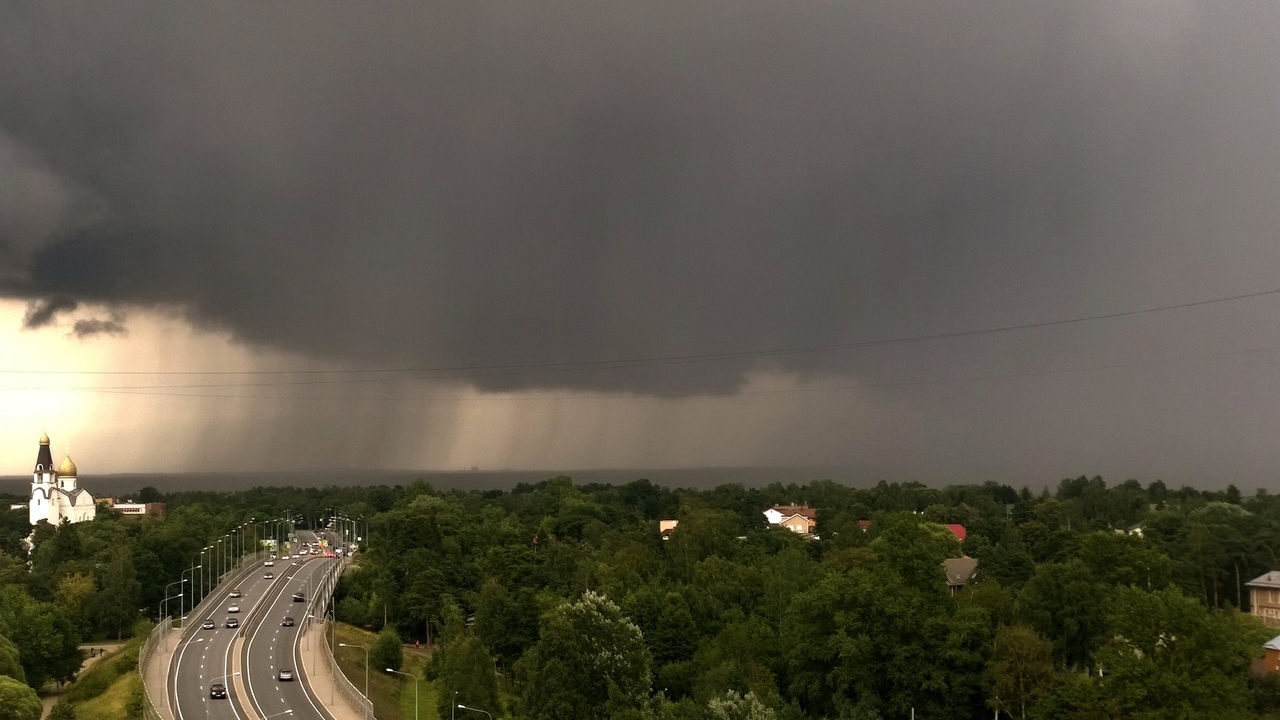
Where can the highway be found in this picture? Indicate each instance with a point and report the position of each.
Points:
(270, 647)
(204, 657)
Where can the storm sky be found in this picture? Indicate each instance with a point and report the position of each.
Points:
(532, 205)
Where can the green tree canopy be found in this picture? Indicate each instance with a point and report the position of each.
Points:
(11, 660)
(17, 701)
(387, 650)
(590, 661)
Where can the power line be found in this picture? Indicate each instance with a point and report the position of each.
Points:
(668, 359)
(686, 396)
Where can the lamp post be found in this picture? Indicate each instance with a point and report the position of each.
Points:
(165, 602)
(366, 665)
(187, 580)
(486, 712)
(415, 689)
(202, 572)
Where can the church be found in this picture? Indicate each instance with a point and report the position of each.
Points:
(55, 494)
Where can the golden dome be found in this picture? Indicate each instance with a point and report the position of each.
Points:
(67, 468)
(44, 438)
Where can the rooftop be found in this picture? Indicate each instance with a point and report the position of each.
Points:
(1269, 580)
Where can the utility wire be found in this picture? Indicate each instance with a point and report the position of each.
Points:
(670, 359)
(685, 396)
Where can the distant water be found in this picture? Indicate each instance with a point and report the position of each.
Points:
(128, 483)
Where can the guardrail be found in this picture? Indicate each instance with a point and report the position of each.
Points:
(156, 636)
(349, 691)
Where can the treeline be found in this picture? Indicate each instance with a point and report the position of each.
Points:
(559, 600)
(1090, 602)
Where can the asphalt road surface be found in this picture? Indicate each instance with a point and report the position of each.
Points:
(270, 646)
(203, 657)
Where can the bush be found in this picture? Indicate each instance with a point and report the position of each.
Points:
(387, 651)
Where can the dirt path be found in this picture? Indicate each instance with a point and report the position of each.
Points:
(51, 692)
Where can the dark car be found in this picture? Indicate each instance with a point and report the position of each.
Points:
(218, 691)
(233, 623)
(267, 576)
(299, 597)
(285, 675)
(287, 622)
(208, 625)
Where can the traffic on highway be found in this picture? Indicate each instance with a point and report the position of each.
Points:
(240, 658)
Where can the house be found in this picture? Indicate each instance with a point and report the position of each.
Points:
(800, 519)
(1264, 597)
(1270, 660)
(959, 571)
(665, 527)
(959, 531)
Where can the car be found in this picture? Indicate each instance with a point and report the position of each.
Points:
(269, 563)
(267, 576)
(235, 594)
(208, 625)
(233, 623)
(218, 691)
(299, 597)
(284, 675)
(233, 608)
(287, 622)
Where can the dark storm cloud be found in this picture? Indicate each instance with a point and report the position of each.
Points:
(88, 327)
(436, 184)
(42, 312)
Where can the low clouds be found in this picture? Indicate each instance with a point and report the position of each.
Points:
(510, 183)
(43, 312)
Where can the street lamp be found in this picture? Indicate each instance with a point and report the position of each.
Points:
(486, 712)
(184, 580)
(165, 602)
(415, 689)
(366, 665)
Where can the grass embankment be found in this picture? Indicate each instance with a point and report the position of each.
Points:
(111, 688)
(392, 695)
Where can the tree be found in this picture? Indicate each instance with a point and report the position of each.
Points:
(118, 601)
(732, 706)
(76, 594)
(1170, 656)
(1066, 603)
(11, 660)
(17, 701)
(466, 674)
(1020, 669)
(387, 652)
(47, 641)
(590, 661)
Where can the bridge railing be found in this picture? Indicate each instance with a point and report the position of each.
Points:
(324, 597)
(154, 639)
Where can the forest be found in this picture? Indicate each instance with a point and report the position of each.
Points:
(556, 600)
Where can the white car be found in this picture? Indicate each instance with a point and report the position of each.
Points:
(269, 563)
(233, 608)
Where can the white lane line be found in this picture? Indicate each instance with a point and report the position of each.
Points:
(248, 653)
